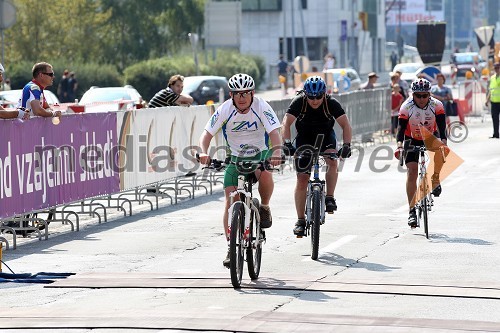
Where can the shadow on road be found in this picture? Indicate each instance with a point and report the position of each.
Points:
(442, 238)
(277, 287)
(338, 260)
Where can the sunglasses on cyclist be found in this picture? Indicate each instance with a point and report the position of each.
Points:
(49, 74)
(242, 94)
(315, 97)
(421, 95)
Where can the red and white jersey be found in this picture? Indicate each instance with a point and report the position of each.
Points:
(418, 118)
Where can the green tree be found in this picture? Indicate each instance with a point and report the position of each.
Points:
(53, 29)
(149, 28)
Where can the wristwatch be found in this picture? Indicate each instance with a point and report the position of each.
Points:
(287, 141)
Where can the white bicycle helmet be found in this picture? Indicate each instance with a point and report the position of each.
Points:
(1, 69)
(421, 85)
(241, 82)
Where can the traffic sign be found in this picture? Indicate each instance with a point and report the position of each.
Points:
(7, 14)
(301, 64)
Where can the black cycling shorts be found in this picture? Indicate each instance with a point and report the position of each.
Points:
(412, 156)
(305, 147)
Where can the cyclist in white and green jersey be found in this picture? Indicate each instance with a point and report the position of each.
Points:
(250, 128)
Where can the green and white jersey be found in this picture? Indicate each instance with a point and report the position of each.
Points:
(245, 134)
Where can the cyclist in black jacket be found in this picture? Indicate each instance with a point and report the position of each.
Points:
(314, 113)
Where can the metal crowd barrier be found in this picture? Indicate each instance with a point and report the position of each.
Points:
(368, 112)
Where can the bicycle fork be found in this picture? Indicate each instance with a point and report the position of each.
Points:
(246, 205)
(309, 213)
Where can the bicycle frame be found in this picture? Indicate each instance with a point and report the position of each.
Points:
(315, 202)
(313, 183)
(245, 234)
(244, 191)
(424, 200)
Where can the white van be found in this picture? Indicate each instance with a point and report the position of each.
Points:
(340, 80)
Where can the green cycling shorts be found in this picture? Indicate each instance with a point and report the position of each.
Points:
(232, 171)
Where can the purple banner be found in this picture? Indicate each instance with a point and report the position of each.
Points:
(43, 165)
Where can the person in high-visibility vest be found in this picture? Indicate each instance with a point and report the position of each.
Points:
(493, 96)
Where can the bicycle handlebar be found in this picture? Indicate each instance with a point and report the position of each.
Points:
(219, 165)
(332, 156)
(417, 149)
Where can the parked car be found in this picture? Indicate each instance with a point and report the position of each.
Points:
(341, 80)
(10, 98)
(408, 70)
(205, 88)
(103, 99)
(467, 61)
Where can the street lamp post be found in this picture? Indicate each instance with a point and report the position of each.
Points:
(400, 37)
(193, 38)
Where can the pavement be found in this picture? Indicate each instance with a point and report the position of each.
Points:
(162, 270)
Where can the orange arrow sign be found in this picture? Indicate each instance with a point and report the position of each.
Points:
(443, 161)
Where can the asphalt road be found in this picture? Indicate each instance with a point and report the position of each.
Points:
(162, 270)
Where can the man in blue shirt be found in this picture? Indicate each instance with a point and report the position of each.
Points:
(32, 98)
(283, 71)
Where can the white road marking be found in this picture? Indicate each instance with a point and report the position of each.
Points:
(489, 162)
(401, 209)
(453, 181)
(405, 208)
(334, 245)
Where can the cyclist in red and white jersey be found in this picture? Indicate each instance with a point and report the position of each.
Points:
(418, 116)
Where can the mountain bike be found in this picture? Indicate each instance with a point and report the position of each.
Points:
(424, 196)
(245, 234)
(315, 199)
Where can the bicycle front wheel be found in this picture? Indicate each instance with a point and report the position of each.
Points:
(425, 208)
(254, 250)
(236, 252)
(316, 221)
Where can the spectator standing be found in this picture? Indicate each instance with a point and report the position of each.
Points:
(405, 87)
(6, 84)
(396, 101)
(443, 94)
(72, 87)
(372, 80)
(32, 98)
(329, 61)
(493, 96)
(395, 79)
(172, 95)
(4, 114)
(62, 88)
(283, 72)
(394, 59)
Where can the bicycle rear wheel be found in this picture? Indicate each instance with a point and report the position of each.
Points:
(316, 221)
(254, 249)
(236, 251)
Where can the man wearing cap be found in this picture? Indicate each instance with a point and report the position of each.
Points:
(372, 79)
(493, 96)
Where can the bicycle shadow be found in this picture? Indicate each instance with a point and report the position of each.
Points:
(442, 238)
(277, 287)
(338, 260)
